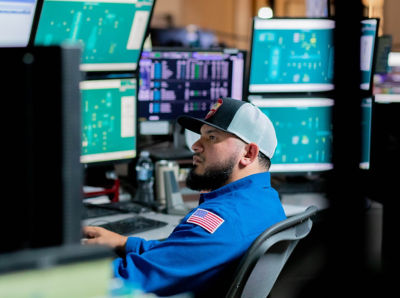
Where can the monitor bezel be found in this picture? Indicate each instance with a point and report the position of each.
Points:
(283, 91)
(35, 23)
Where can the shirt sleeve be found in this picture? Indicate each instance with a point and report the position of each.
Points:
(188, 258)
(139, 245)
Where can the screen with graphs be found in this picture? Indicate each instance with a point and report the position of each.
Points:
(111, 33)
(291, 55)
(304, 132)
(176, 82)
(108, 120)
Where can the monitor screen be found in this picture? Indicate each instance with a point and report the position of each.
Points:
(304, 131)
(111, 33)
(58, 271)
(184, 81)
(369, 31)
(16, 21)
(369, 108)
(366, 114)
(108, 120)
(291, 55)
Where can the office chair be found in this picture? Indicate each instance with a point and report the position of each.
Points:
(261, 265)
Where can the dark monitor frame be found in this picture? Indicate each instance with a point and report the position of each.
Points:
(43, 162)
(384, 148)
(274, 93)
(35, 22)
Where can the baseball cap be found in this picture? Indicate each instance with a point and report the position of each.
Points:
(241, 118)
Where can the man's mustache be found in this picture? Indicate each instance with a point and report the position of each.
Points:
(197, 158)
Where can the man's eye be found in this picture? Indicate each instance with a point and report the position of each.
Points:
(211, 137)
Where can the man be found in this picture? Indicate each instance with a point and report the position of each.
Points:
(231, 161)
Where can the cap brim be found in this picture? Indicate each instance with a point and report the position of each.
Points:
(190, 123)
(195, 124)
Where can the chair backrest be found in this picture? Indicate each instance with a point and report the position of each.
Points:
(261, 265)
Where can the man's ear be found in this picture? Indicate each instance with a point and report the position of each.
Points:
(250, 155)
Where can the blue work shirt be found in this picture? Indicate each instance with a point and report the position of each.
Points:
(194, 259)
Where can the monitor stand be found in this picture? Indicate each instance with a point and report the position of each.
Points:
(172, 151)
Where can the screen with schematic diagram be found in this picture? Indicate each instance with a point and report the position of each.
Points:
(110, 33)
(108, 120)
(304, 131)
(291, 55)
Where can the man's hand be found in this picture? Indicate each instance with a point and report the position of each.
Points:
(101, 236)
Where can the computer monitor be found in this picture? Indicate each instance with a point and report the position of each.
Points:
(108, 120)
(17, 22)
(383, 49)
(369, 35)
(304, 131)
(111, 33)
(60, 271)
(44, 174)
(366, 114)
(291, 55)
(384, 148)
(181, 81)
(373, 110)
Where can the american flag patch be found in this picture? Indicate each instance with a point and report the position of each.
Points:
(206, 219)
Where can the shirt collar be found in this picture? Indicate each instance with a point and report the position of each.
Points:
(259, 178)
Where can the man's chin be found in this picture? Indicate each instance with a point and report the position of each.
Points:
(198, 170)
(202, 179)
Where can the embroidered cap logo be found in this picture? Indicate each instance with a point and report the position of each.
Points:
(214, 108)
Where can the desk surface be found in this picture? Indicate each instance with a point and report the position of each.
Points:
(292, 204)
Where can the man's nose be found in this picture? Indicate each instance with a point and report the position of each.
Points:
(197, 147)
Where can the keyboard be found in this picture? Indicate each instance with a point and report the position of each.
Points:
(105, 209)
(133, 225)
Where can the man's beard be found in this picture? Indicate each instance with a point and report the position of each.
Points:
(214, 176)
